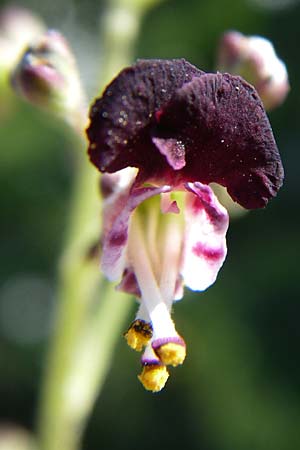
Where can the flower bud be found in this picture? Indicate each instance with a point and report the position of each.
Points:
(18, 27)
(13, 437)
(47, 76)
(254, 58)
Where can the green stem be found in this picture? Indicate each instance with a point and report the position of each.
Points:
(120, 25)
(87, 326)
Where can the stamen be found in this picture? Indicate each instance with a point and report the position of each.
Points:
(138, 334)
(154, 374)
(170, 351)
(154, 377)
(151, 238)
(172, 248)
(162, 323)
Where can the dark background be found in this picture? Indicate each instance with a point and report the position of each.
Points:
(239, 388)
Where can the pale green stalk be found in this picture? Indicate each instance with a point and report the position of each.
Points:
(90, 313)
(90, 316)
(121, 25)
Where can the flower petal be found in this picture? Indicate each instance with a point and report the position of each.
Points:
(177, 124)
(129, 283)
(228, 139)
(114, 261)
(115, 189)
(173, 150)
(167, 205)
(122, 119)
(205, 242)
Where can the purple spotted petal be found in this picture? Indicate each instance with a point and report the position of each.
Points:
(115, 189)
(205, 240)
(114, 258)
(129, 283)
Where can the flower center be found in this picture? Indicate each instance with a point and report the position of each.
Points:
(158, 288)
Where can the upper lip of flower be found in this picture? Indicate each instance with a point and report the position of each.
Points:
(177, 124)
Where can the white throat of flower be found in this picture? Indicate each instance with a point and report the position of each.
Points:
(156, 294)
(154, 250)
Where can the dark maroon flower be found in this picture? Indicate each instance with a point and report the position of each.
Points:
(177, 124)
(168, 130)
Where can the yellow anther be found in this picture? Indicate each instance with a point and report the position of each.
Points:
(154, 377)
(171, 353)
(138, 335)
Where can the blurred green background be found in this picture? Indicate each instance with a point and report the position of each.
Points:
(239, 388)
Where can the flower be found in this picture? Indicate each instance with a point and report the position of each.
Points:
(254, 58)
(161, 133)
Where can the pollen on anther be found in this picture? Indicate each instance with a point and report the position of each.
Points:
(154, 377)
(139, 334)
(171, 351)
